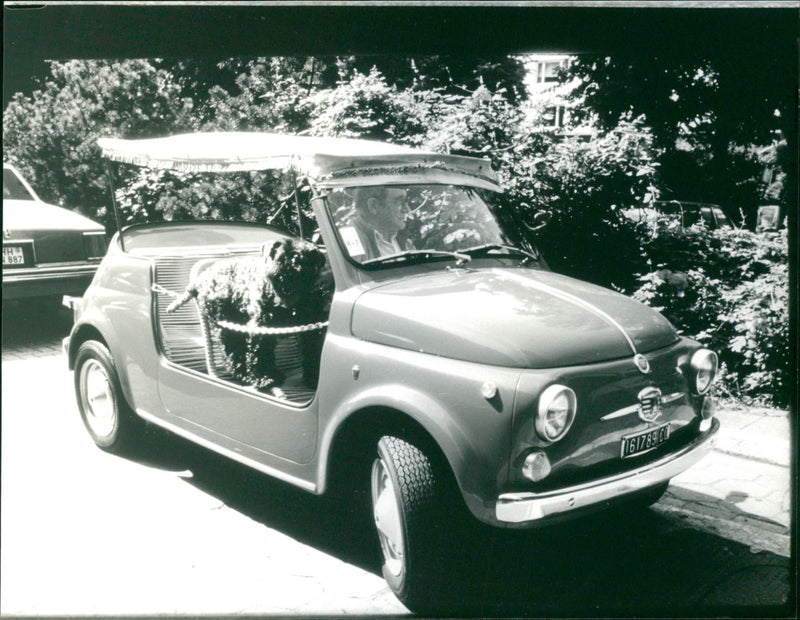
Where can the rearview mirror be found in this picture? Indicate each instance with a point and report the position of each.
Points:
(541, 219)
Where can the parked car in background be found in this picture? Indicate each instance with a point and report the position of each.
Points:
(687, 213)
(458, 378)
(770, 218)
(47, 250)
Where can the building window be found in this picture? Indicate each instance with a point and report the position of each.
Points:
(553, 116)
(547, 71)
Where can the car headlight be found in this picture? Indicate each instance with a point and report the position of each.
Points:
(704, 369)
(557, 406)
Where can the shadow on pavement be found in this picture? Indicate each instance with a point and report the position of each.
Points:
(34, 325)
(727, 510)
(620, 563)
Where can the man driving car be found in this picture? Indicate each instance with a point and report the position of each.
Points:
(380, 215)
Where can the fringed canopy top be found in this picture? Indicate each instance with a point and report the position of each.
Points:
(329, 161)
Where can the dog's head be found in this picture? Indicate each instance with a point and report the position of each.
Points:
(292, 267)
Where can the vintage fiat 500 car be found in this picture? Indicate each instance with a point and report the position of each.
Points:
(47, 250)
(453, 363)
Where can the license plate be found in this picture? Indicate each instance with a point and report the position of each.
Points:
(633, 445)
(13, 255)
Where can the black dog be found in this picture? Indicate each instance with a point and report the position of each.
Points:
(283, 287)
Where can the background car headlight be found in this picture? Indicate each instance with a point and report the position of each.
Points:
(557, 406)
(704, 368)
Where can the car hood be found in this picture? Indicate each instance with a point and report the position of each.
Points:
(30, 215)
(520, 318)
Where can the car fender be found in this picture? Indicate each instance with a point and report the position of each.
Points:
(137, 379)
(122, 314)
(472, 460)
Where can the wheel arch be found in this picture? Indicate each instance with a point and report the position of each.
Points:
(355, 438)
(81, 334)
(95, 327)
(350, 436)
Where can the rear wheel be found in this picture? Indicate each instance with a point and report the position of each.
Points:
(108, 418)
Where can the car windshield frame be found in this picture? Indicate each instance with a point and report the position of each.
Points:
(501, 247)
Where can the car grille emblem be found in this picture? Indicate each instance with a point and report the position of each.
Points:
(649, 404)
(641, 363)
(6, 233)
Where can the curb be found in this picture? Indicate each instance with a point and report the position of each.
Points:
(762, 449)
(757, 434)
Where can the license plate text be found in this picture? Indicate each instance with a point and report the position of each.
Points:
(633, 445)
(13, 255)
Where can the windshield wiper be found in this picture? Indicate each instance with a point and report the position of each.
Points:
(461, 259)
(491, 247)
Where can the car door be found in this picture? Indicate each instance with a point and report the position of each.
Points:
(195, 387)
(216, 407)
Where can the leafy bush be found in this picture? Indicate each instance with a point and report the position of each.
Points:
(758, 319)
(586, 185)
(165, 195)
(735, 292)
(268, 94)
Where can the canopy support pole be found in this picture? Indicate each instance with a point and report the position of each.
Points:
(110, 178)
(297, 203)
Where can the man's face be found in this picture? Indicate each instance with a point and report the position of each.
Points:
(390, 218)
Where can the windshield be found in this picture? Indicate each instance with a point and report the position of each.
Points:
(387, 223)
(13, 189)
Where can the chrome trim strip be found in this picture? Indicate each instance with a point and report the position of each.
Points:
(522, 507)
(235, 456)
(60, 273)
(620, 413)
(671, 398)
(57, 268)
(578, 302)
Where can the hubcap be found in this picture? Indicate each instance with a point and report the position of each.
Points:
(97, 398)
(388, 519)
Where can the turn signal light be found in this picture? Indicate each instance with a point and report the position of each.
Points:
(536, 466)
(707, 413)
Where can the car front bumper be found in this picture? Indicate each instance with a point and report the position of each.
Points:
(520, 508)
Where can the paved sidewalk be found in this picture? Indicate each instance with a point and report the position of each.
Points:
(743, 489)
(758, 434)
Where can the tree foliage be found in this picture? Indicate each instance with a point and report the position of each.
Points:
(447, 75)
(269, 94)
(52, 135)
(586, 185)
(712, 119)
(368, 107)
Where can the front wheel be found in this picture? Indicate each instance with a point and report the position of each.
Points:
(414, 514)
(106, 415)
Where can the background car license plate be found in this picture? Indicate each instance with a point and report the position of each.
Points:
(632, 445)
(13, 255)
